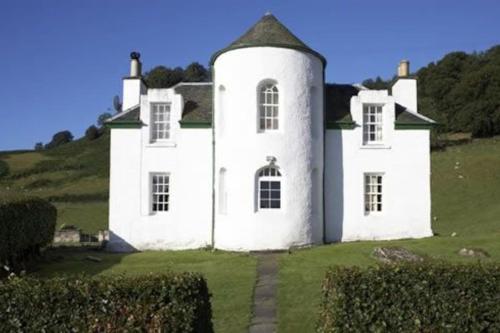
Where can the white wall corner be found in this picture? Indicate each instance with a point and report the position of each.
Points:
(405, 93)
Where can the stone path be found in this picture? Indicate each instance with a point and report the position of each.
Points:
(264, 298)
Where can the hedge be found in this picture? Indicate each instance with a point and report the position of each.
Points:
(26, 225)
(152, 303)
(431, 297)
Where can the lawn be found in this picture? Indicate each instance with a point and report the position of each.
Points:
(230, 276)
(90, 216)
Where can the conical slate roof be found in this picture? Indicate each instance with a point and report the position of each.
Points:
(269, 31)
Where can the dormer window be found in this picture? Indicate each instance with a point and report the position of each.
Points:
(268, 107)
(160, 121)
(372, 124)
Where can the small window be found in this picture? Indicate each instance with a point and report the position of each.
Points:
(372, 124)
(373, 192)
(160, 192)
(268, 107)
(269, 188)
(160, 121)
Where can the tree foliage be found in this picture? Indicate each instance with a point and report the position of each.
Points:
(92, 133)
(461, 91)
(165, 77)
(103, 117)
(39, 146)
(59, 138)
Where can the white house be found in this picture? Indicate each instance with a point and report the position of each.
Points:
(267, 155)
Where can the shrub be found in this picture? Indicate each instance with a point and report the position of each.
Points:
(39, 146)
(153, 303)
(26, 225)
(91, 133)
(59, 138)
(412, 298)
(4, 169)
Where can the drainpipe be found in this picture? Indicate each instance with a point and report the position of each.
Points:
(212, 236)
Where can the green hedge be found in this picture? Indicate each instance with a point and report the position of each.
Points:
(26, 225)
(412, 298)
(152, 303)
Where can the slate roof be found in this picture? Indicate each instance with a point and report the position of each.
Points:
(197, 102)
(126, 117)
(405, 117)
(269, 31)
(338, 102)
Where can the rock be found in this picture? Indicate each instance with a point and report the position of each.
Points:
(94, 259)
(395, 254)
(477, 253)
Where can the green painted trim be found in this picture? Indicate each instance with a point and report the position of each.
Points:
(284, 46)
(195, 124)
(341, 125)
(413, 126)
(124, 124)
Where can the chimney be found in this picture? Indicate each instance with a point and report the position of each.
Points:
(133, 85)
(404, 68)
(405, 88)
(135, 64)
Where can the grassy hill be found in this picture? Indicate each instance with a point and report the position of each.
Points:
(74, 176)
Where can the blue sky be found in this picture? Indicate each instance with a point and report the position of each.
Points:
(62, 61)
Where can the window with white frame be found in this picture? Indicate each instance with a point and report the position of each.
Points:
(268, 107)
(372, 124)
(373, 192)
(160, 121)
(160, 190)
(269, 190)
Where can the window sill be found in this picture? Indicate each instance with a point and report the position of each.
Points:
(167, 144)
(375, 146)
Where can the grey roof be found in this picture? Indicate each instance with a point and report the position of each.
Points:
(269, 31)
(197, 102)
(338, 102)
(403, 116)
(128, 116)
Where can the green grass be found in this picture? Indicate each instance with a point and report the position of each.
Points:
(230, 276)
(91, 216)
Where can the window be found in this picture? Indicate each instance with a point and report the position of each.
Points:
(372, 124)
(269, 183)
(160, 192)
(160, 121)
(373, 192)
(268, 107)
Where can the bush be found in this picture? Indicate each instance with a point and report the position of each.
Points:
(26, 225)
(412, 298)
(59, 138)
(4, 169)
(153, 303)
(91, 133)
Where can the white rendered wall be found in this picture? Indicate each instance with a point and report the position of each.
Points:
(186, 157)
(133, 88)
(404, 159)
(405, 93)
(242, 150)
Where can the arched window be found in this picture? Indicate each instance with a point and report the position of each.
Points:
(222, 191)
(268, 107)
(269, 191)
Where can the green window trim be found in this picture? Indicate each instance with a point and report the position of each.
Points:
(195, 124)
(413, 126)
(340, 125)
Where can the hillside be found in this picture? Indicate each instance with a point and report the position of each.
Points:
(74, 176)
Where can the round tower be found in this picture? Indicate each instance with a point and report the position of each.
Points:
(268, 129)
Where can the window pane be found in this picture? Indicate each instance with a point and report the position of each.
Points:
(275, 204)
(275, 195)
(264, 204)
(275, 185)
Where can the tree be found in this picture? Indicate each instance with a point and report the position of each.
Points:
(195, 72)
(39, 146)
(117, 104)
(59, 138)
(91, 133)
(102, 118)
(163, 77)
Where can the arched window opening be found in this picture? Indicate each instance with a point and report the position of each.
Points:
(269, 188)
(268, 107)
(222, 191)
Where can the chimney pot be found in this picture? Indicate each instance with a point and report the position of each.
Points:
(135, 64)
(404, 68)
